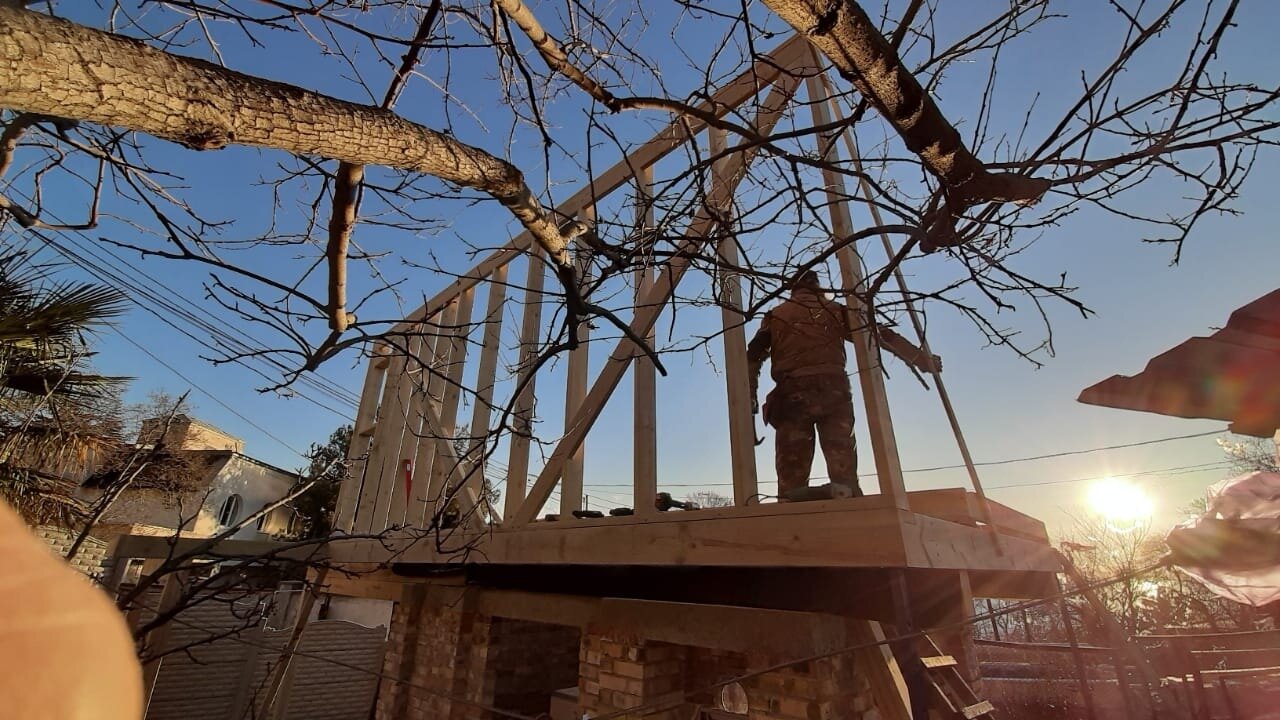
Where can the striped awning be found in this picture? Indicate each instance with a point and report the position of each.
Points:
(1232, 375)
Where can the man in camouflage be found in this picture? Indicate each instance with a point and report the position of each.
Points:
(804, 338)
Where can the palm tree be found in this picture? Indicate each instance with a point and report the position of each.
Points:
(55, 412)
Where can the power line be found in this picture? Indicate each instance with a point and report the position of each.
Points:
(1008, 461)
(1064, 453)
(234, 344)
(134, 291)
(208, 394)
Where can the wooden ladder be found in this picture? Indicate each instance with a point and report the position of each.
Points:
(950, 696)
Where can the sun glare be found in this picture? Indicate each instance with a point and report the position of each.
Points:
(1120, 503)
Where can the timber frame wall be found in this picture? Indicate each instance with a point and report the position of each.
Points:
(404, 464)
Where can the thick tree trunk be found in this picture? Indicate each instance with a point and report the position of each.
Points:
(844, 33)
(53, 67)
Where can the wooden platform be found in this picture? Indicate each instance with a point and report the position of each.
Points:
(940, 533)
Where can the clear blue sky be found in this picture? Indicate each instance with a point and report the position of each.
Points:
(1008, 407)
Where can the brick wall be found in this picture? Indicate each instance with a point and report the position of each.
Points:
(825, 689)
(91, 559)
(458, 661)
(529, 661)
(621, 672)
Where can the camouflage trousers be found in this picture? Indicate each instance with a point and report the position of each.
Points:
(800, 408)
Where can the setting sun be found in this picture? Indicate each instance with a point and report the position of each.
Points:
(1119, 502)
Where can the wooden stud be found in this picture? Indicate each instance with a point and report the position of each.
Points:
(916, 323)
(660, 293)
(575, 385)
(426, 410)
(382, 467)
(530, 328)
(787, 59)
(444, 473)
(644, 479)
(362, 434)
(884, 446)
(742, 424)
(486, 376)
(957, 638)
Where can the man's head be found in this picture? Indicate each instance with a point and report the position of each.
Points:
(806, 280)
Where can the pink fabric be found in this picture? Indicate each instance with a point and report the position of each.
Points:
(1234, 547)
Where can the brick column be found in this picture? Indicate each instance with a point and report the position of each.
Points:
(438, 649)
(826, 689)
(622, 672)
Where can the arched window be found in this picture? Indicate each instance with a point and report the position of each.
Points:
(230, 511)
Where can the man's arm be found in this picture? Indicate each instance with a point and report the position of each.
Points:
(757, 353)
(907, 352)
(902, 348)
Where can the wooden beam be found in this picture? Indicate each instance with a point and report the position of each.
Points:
(717, 627)
(373, 584)
(956, 639)
(361, 437)
(274, 704)
(762, 73)
(575, 384)
(431, 380)
(647, 312)
(884, 446)
(742, 424)
(445, 473)
(872, 536)
(518, 460)
(486, 378)
(887, 683)
(644, 448)
(385, 447)
(163, 547)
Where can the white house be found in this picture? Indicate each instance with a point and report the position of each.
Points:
(221, 487)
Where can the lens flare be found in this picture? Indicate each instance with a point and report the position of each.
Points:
(1121, 504)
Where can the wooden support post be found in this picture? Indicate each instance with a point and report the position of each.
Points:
(518, 461)
(742, 424)
(361, 436)
(645, 393)
(274, 704)
(647, 312)
(432, 374)
(575, 384)
(385, 446)
(175, 586)
(486, 377)
(1082, 672)
(446, 473)
(913, 670)
(884, 446)
(888, 686)
(956, 639)
(916, 323)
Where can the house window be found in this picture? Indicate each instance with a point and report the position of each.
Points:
(230, 511)
(262, 522)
